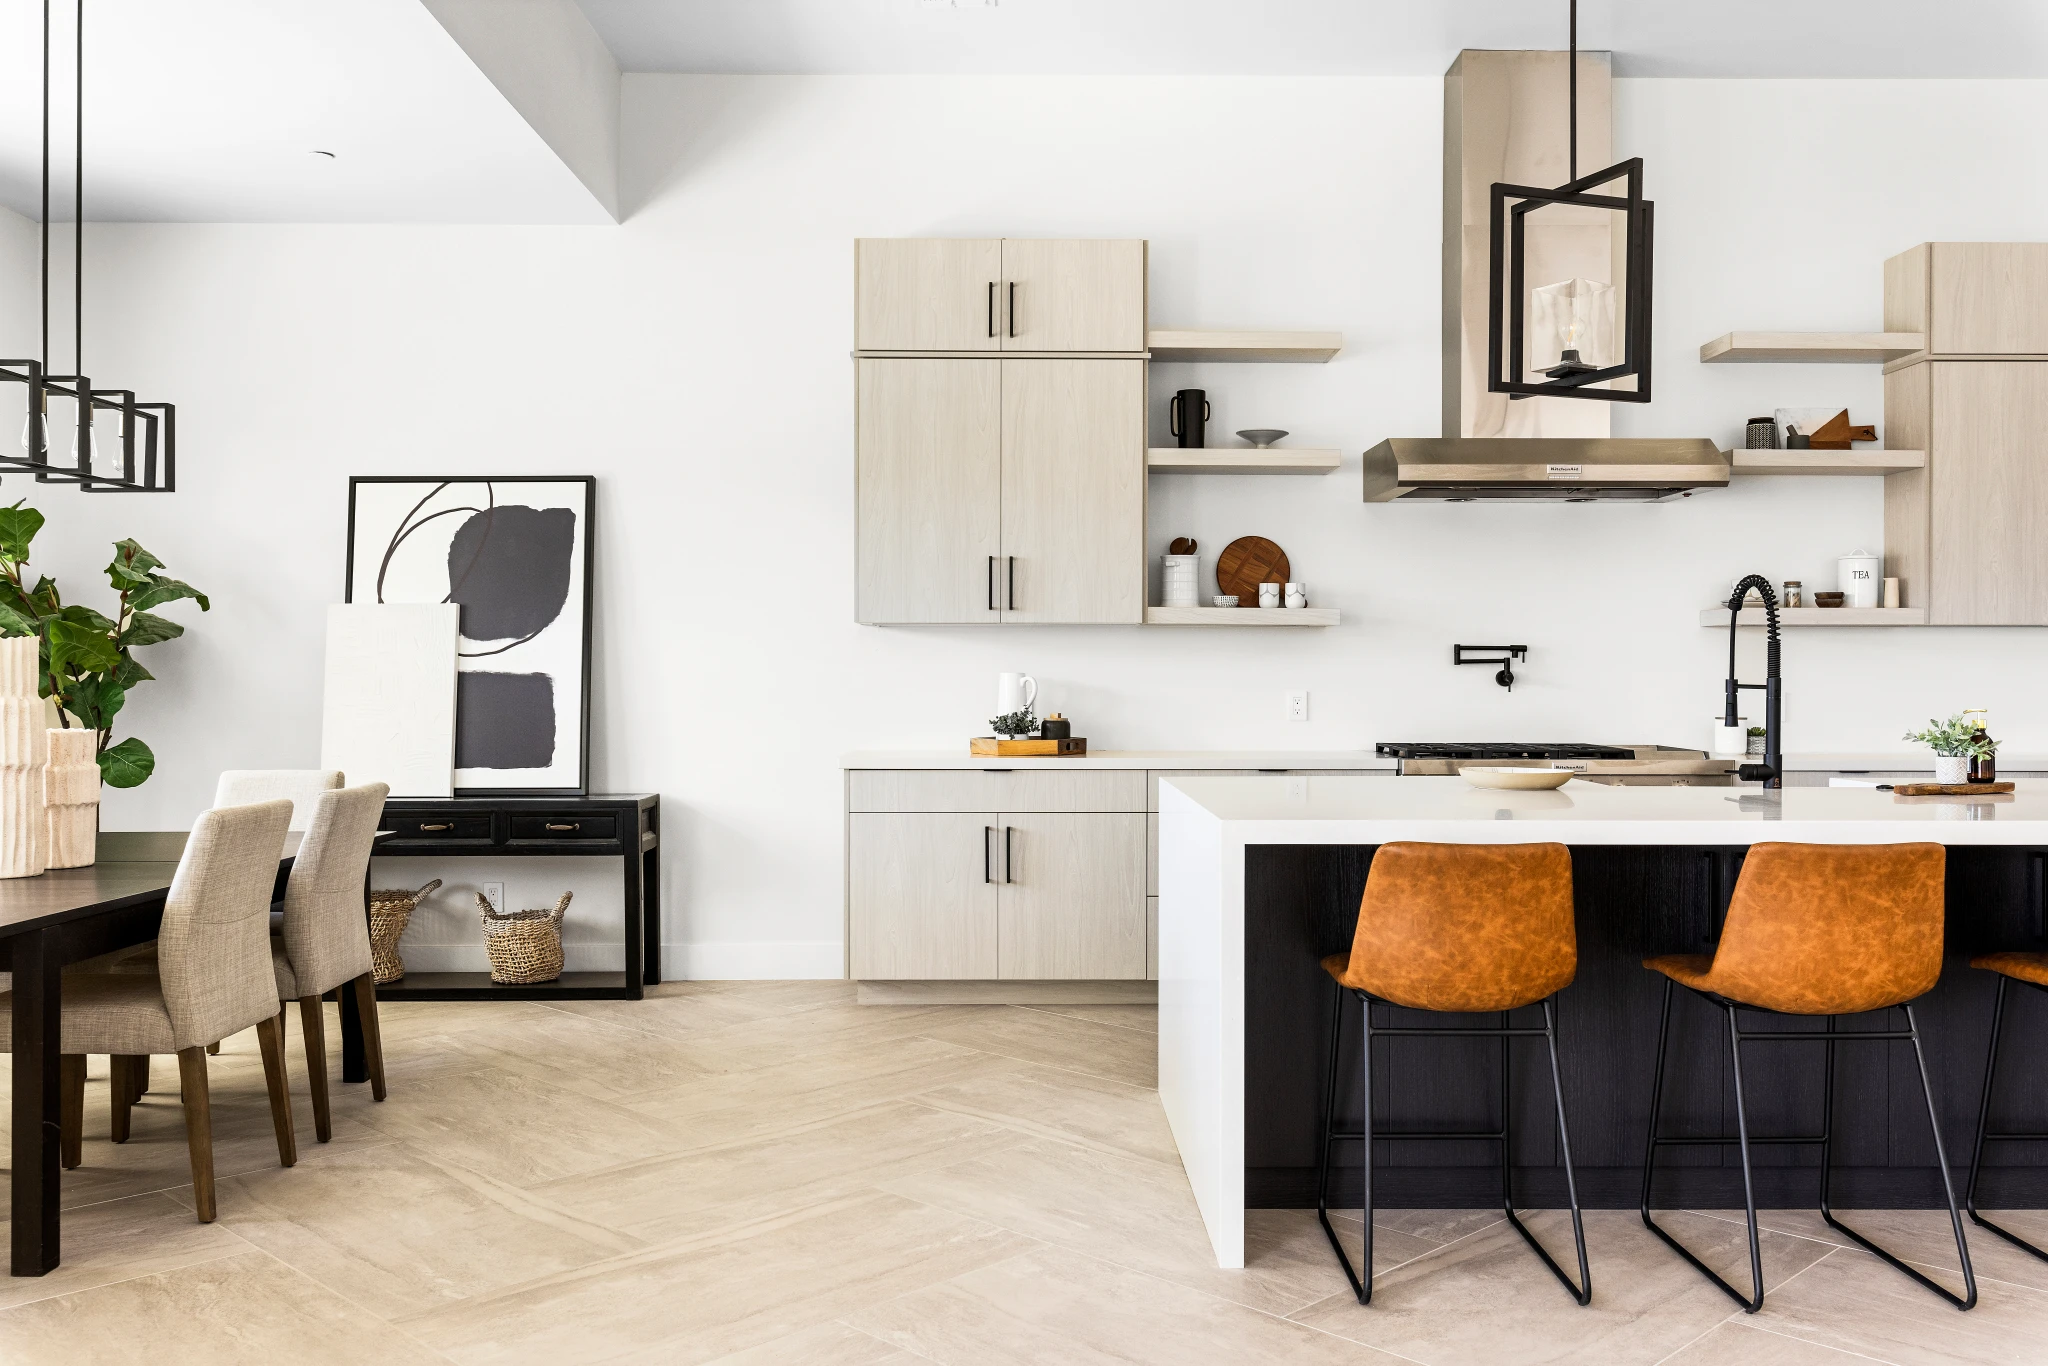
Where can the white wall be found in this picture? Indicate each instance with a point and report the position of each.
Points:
(695, 360)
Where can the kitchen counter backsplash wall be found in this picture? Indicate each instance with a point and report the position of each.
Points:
(731, 673)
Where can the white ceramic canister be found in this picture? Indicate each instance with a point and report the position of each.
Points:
(71, 790)
(1269, 595)
(1731, 742)
(1297, 595)
(1861, 578)
(1180, 579)
(24, 753)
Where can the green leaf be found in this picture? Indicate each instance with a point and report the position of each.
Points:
(18, 526)
(96, 701)
(44, 597)
(85, 616)
(131, 672)
(13, 623)
(160, 590)
(146, 628)
(81, 649)
(131, 565)
(127, 764)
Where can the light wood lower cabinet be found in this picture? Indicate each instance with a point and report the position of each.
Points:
(922, 895)
(1073, 896)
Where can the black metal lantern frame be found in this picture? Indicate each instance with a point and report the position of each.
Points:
(1506, 240)
(149, 431)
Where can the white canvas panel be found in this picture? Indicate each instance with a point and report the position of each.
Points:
(388, 709)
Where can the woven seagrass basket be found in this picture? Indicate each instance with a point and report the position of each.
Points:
(389, 911)
(526, 946)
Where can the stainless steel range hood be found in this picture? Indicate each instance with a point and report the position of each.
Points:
(1551, 469)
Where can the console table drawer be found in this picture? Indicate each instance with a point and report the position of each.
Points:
(436, 827)
(565, 828)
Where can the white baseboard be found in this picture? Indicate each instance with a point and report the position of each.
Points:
(779, 962)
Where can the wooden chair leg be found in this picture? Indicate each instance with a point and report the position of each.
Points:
(213, 1049)
(121, 1094)
(71, 1108)
(313, 1024)
(373, 1041)
(138, 1075)
(198, 1128)
(270, 1037)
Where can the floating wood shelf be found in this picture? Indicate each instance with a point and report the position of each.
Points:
(1820, 616)
(1241, 460)
(1827, 462)
(1221, 344)
(1824, 348)
(1240, 616)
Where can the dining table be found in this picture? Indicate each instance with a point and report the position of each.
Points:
(51, 921)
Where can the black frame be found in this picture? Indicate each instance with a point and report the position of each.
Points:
(1506, 276)
(1361, 1279)
(1984, 1130)
(589, 482)
(1737, 1036)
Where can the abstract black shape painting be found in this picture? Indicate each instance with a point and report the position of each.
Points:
(514, 554)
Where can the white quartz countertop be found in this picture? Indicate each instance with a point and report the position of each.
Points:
(1182, 759)
(1344, 810)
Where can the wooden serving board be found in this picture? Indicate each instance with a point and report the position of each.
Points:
(1248, 562)
(1949, 789)
(1025, 749)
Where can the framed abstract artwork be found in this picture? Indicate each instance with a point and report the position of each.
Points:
(514, 555)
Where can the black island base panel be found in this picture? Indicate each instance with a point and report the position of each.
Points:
(1301, 903)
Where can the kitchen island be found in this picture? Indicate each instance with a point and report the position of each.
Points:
(1261, 876)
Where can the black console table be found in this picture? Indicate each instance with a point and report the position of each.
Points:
(625, 826)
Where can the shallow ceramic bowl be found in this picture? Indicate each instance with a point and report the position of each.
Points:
(1829, 599)
(1225, 600)
(1517, 779)
(1262, 437)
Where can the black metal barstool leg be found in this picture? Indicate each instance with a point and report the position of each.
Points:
(1656, 1103)
(1365, 1128)
(1983, 1128)
(1969, 1298)
(1756, 1256)
(1330, 1139)
(1827, 1127)
(1583, 1291)
(1507, 1127)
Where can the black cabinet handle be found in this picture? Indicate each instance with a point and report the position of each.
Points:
(991, 308)
(991, 583)
(425, 828)
(566, 829)
(1008, 831)
(1013, 583)
(987, 834)
(1013, 308)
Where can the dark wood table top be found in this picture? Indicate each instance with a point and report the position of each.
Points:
(133, 868)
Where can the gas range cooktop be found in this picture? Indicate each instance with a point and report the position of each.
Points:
(1452, 749)
(1649, 765)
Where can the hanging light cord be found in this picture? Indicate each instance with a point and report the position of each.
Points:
(1574, 177)
(78, 218)
(44, 354)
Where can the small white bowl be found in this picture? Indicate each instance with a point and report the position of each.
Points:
(1517, 779)
(1225, 600)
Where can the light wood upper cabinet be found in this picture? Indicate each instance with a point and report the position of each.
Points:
(928, 294)
(988, 294)
(1971, 298)
(930, 490)
(1073, 902)
(1073, 490)
(1084, 295)
(1987, 493)
(922, 896)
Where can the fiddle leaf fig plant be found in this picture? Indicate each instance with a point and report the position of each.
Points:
(87, 661)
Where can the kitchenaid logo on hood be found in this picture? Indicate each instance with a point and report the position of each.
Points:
(1564, 471)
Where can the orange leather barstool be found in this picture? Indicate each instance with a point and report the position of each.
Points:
(2028, 969)
(1462, 928)
(1816, 929)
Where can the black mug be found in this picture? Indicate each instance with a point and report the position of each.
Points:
(1186, 416)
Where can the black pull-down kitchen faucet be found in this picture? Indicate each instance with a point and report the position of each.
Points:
(1771, 772)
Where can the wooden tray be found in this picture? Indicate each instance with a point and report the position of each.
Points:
(1248, 562)
(1026, 749)
(1949, 789)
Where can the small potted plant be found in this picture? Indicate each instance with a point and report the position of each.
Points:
(1754, 742)
(1015, 725)
(1953, 744)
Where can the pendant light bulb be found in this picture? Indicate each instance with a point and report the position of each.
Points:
(92, 443)
(28, 434)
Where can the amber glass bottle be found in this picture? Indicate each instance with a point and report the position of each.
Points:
(1983, 762)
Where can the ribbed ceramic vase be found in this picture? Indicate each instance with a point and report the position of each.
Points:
(72, 790)
(24, 753)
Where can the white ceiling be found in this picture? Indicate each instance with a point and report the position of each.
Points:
(1811, 38)
(210, 111)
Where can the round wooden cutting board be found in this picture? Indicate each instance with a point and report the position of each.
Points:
(1246, 563)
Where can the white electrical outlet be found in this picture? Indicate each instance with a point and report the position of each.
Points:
(494, 892)
(1297, 705)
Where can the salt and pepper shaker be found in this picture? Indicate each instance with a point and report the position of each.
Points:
(1269, 595)
(1794, 594)
(1297, 594)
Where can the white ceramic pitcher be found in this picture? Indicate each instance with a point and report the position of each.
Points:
(1015, 692)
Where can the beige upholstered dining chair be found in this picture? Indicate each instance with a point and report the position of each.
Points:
(300, 786)
(326, 940)
(213, 978)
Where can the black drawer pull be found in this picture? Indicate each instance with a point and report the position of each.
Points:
(437, 827)
(571, 829)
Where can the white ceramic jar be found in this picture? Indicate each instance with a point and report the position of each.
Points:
(1861, 578)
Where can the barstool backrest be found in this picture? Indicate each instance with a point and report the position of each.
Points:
(213, 950)
(301, 786)
(1467, 927)
(1833, 929)
(326, 937)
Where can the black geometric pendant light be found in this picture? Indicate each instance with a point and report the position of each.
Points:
(149, 431)
(1571, 332)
